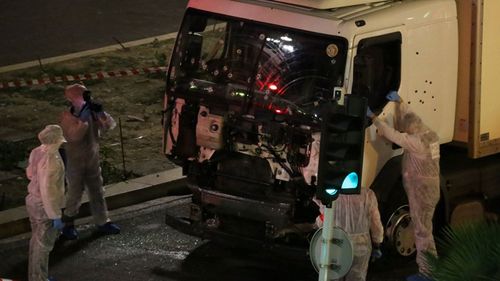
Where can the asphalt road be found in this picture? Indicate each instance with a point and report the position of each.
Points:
(147, 249)
(33, 29)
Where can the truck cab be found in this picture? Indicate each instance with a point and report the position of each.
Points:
(246, 86)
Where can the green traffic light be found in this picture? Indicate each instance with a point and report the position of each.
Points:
(350, 181)
(331, 191)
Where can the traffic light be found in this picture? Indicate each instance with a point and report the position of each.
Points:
(341, 149)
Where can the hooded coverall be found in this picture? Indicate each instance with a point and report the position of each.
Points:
(358, 215)
(44, 203)
(81, 129)
(420, 170)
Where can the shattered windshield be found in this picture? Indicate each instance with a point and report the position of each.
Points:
(254, 64)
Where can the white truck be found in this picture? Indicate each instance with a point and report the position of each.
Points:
(247, 80)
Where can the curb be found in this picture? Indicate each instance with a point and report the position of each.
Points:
(66, 57)
(166, 183)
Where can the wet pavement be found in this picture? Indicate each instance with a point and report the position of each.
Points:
(147, 249)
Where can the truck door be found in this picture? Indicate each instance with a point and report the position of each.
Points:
(376, 71)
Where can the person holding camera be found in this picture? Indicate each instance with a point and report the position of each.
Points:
(82, 125)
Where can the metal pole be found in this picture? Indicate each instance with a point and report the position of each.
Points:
(123, 151)
(326, 239)
(41, 64)
(121, 45)
(2, 201)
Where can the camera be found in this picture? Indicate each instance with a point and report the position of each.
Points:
(94, 106)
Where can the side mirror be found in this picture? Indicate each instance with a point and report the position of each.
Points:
(197, 24)
(193, 51)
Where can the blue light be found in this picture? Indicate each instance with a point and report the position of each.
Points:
(351, 181)
(331, 191)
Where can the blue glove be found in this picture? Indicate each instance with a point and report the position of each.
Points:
(376, 254)
(369, 113)
(393, 96)
(57, 224)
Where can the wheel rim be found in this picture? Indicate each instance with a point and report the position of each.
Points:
(399, 230)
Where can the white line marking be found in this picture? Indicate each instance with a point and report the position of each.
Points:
(114, 47)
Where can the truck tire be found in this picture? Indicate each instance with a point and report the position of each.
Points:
(399, 234)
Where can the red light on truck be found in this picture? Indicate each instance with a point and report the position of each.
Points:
(280, 111)
(273, 87)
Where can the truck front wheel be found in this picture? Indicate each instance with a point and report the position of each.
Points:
(399, 232)
(399, 235)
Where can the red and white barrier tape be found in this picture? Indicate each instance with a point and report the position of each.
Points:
(81, 77)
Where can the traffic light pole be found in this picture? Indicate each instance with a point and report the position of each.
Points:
(326, 241)
(339, 170)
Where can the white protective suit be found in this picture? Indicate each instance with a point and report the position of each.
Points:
(420, 170)
(358, 215)
(45, 199)
(82, 127)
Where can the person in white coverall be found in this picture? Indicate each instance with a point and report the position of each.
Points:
(82, 125)
(359, 217)
(420, 170)
(45, 200)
